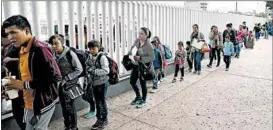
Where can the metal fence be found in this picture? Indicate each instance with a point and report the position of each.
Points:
(116, 23)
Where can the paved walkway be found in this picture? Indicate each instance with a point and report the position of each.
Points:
(240, 99)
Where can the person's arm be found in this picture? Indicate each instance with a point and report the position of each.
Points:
(77, 67)
(104, 70)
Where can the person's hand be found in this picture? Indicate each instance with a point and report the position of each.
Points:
(137, 58)
(15, 84)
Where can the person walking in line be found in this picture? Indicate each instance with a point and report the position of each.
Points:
(228, 49)
(180, 56)
(144, 55)
(39, 73)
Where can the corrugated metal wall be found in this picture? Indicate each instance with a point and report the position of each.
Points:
(116, 24)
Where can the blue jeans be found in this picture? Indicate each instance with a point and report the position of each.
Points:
(257, 35)
(238, 49)
(197, 60)
(155, 81)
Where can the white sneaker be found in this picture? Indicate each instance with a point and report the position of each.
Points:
(153, 90)
(161, 80)
(158, 82)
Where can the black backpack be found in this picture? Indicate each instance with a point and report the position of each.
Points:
(82, 56)
(113, 67)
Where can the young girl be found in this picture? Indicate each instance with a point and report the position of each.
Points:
(158, 64)
(228, 51)
(180, 55)
(98, 69)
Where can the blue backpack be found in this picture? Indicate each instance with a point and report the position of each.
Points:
(168, 52)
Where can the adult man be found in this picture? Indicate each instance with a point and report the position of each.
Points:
(216, 45)
(232, 34)
(10, 61)
(39, 74)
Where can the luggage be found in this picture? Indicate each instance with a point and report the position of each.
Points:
(250, 43)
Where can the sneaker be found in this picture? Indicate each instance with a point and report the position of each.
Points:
(154, 90)
(226, 69)
(103, 125)
(158, 82)
(194, 72)
(190, 70)
(135, 101)
(209, 66)
(161, 80)
(174, 80)
(74, 128)
(181, 79)
(199, 72)
(141, 104)
(88, 115)
(217, 65)
(97, 125)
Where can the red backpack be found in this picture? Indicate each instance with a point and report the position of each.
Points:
(114, 70)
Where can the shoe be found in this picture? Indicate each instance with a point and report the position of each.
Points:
(135, 101)
(217, 65)
(190, 70)
(209, 66)
(141, 104)
(161, 80)
(199, 73)
(74, 128)
(88, 115)
(181, 79)
(103, 125)
(226, 69)
(194, 72)
(97, 125)
(154, 90)
(174, 80)
(158, 82)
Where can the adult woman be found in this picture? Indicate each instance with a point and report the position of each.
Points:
(144, 55)
(197, 55)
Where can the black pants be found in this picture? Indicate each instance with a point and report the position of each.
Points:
(227, 61)
(213, 51)
(18, 110)
(68, 110)
(135, 75)
(177, 69)
(89, 97)
(100, 92)
(190, 62)
(210, 53)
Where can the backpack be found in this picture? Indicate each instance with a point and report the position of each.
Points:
(114, 70)
(168, 52)
(82, 56)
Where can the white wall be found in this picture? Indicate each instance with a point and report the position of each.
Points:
(171, 24)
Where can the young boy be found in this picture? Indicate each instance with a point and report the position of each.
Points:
(228, 51)
(97, 66)
(180, 55)
(189, 55)
(158, 63)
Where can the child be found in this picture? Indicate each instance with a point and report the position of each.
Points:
(251, 36)
(180, 55)
(98, 72)
(189, 55)
(158, 63)
(228, 51)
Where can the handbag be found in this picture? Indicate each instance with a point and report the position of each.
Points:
(127, 62)
(205, 48)
(147, 72)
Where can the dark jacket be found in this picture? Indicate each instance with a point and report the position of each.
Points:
(45, 75)
(232, 36)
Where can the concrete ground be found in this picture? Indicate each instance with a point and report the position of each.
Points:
(240, 99)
